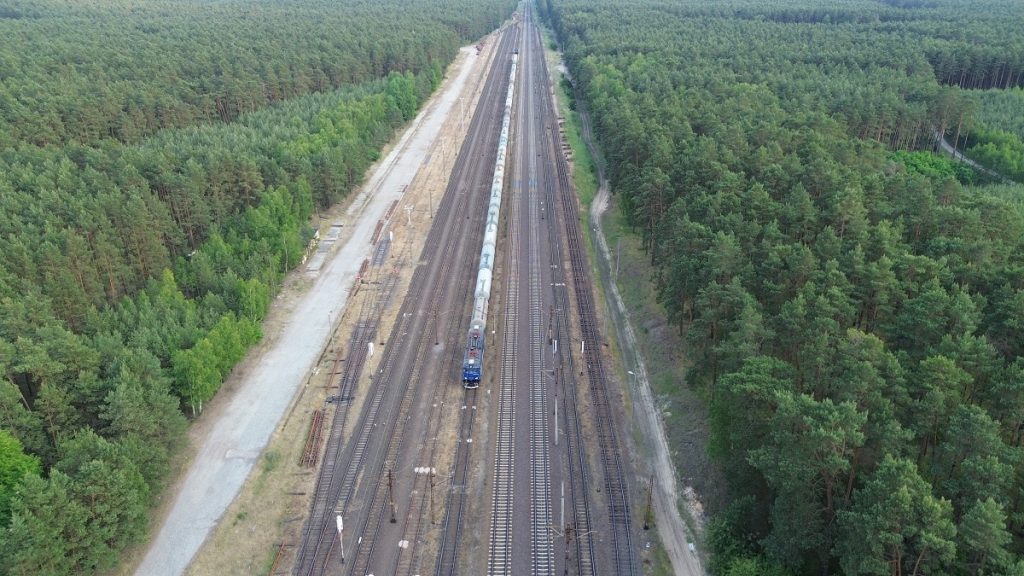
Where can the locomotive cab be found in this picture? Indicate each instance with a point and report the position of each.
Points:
(472, 363)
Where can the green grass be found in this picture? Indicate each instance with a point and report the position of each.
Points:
(655, 559)
(270, 461)
(268, 561)
(585, 175)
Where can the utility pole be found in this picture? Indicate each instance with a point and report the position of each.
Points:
(391, 496)
(568, 538)
(647, 513)
(432, 520)
(551, 318)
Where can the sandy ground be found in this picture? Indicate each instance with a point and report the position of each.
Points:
(665, 497)
(230, 437)
(670, 524)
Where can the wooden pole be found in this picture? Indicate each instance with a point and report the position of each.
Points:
(391, 496)
(432, 520)
(647, 513)
(568, 540)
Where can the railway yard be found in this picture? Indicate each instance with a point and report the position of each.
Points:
(403, 470)
(425, 475)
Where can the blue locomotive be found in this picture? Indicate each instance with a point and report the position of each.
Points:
(472, 363)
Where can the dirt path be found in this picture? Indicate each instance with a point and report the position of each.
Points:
(230, 437)
(670, 523)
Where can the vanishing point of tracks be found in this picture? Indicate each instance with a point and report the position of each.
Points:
(553, 508)
(538, 352)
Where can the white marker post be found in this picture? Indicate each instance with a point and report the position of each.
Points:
(556, 423)
(341, 542)
(562, 523)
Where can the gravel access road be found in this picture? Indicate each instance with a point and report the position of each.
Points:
(226, 456)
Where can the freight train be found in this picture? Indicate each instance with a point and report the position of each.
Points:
(473, 360)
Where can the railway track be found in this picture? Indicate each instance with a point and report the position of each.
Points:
(499, 558)
(445, 245)
(319, 542)
(447, 560)
(409, 558)
(416, 376)
(450, 538)
(500, 550)
(616, 490)
(541, 545)
(522, 494)
(499, 561)
(318, 529)
(448, 550)
(581, 549)
(373, 454)
(543, 162)
(455, 263)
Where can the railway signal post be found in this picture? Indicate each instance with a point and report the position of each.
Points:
(431, 472)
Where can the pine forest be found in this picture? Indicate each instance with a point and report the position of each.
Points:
(851, 301)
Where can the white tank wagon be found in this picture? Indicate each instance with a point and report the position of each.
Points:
(472, 363)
